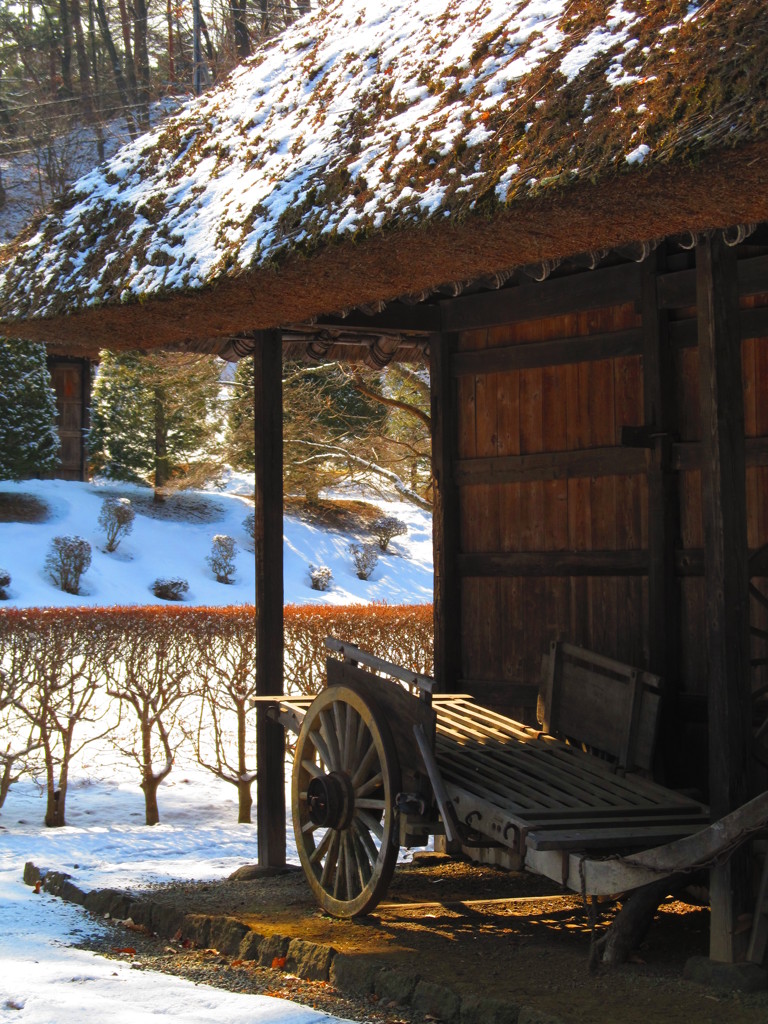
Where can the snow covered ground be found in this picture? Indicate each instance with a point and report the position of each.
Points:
(43, 980)
(177, 547)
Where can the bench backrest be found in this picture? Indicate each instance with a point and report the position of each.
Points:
(609, 707)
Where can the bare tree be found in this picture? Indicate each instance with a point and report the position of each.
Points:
(151, 678)
(63, 671)
(19, 737)
(226, 667)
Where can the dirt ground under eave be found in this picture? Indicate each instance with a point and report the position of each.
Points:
(510, 936)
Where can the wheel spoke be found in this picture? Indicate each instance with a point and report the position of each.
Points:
(361, 859)
(372, 783)
(369, 804)
(350, 863)
(339, 730)
(329, 734)
(339, 877)
(365, 765)
(368, 845)
(313, 769)
(362, 731)
(322, 749)
(372, 824)
(331, 859)
(349, 740)
(321, 848)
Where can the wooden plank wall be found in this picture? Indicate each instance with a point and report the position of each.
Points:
(553, 509)
(509, 617)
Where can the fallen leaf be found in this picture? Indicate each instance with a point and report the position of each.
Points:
(279, 962)
(124, 949)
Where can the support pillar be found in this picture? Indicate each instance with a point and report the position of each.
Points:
(445, 516)
(268, 543)
(663, 512)
(727, 574)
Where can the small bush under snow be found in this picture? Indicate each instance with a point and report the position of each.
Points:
(365, 557)
(170, 588)
(67, 560)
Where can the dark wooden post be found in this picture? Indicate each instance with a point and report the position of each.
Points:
(663, 508)
(445, 516)
(727, 574)
(268, 540)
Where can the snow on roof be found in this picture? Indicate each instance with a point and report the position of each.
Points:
(369, 117)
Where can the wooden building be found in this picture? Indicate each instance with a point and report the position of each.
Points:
(567, 213)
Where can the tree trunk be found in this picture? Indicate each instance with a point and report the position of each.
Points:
(171, 65)
(117, 70)
(66, 49)
(150, 786)
(240, 28)
(141, 55)
(162, 466)
(83, 68)
(244, 802)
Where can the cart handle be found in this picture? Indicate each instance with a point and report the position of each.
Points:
(357, 656)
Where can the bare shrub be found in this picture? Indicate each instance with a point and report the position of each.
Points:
(385, 528)
(116, 519)
(62, 657)
(67, 560)
(170, 588)
(151, 676)
(5, 582)
(222, 558)
(320, 577)
(249, 525)
(365, 557)
(225, 669)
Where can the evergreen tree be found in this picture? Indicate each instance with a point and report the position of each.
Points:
(239, 435)
(154, 416)
(29, 441)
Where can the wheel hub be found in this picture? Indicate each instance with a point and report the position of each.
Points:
(330, 801)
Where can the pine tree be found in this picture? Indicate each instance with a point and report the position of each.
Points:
(239, 435)
(154, 416)
(29, 441)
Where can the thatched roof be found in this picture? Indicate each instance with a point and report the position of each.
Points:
(377, 149)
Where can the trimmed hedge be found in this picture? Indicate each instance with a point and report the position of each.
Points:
(398, 633)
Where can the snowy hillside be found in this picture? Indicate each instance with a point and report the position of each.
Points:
(176, 543)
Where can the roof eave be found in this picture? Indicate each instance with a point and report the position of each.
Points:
(727, 187)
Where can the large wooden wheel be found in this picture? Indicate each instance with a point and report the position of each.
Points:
(345, 778)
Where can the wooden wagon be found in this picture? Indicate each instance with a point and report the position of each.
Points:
(382, 761)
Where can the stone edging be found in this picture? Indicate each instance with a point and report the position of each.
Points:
(311, 961)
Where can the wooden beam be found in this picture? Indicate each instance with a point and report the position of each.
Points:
(445, 516)
(687, 455)
(268, 543)
(588, 289)
(727, 574)
(556, 352)
(504, 564)
(753, 323)
(568, 465)
(422, 317)
(677, 289)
